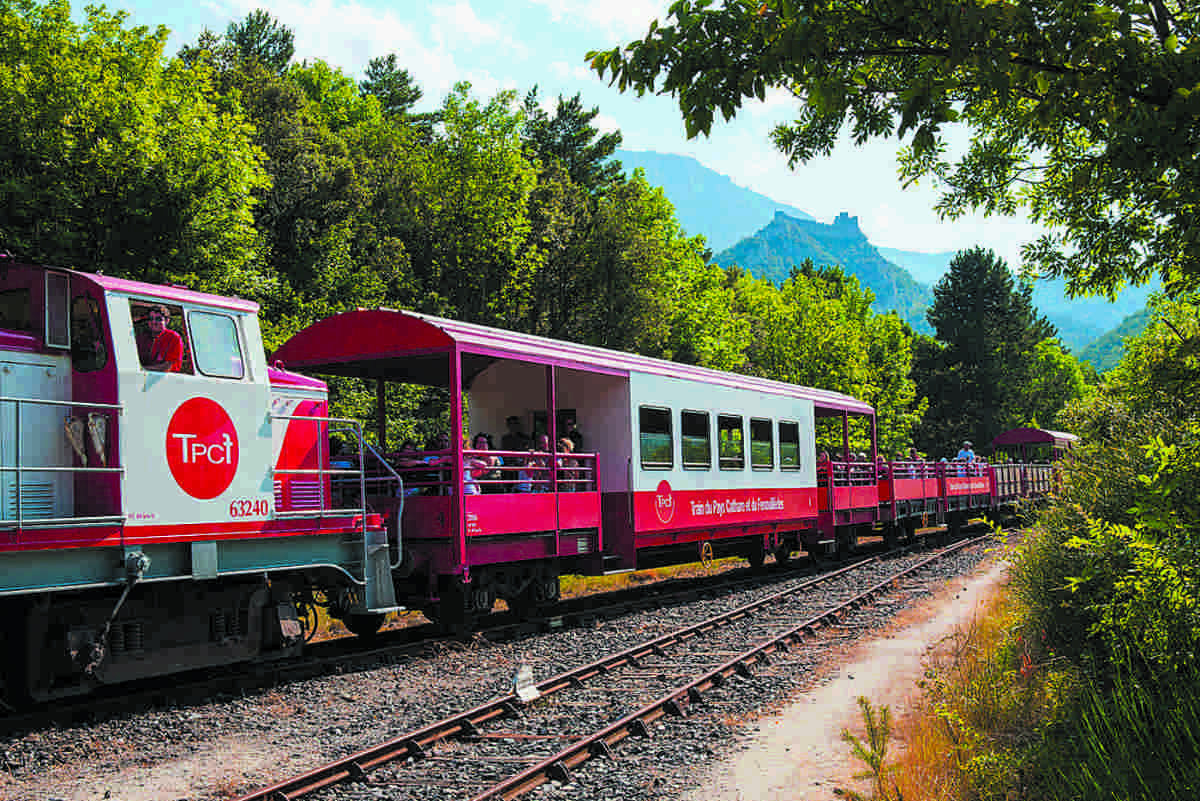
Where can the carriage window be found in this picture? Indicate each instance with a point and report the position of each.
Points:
(789, 445)
(159, 332)
(215, 342)
(731, 442)
(655, 431)
(762, 450)
(696, 440)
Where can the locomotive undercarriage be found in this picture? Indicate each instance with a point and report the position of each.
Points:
(65, 644)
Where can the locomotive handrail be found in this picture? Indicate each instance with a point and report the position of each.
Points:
(326, 506)
(19, 468)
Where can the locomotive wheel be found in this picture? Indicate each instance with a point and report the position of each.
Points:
(364, 625)
(756, 557)
(783, 555)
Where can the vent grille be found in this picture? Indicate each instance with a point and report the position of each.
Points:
(37, 500)
(306, 494)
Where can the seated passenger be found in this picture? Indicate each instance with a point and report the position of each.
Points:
(487, 468)
(409, 457)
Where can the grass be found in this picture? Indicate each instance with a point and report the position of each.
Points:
(988, 688)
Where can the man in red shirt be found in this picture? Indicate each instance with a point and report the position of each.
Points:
(166, 354)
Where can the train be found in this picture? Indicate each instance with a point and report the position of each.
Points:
(172, 498)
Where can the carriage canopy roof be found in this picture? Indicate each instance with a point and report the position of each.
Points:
(385, 343)
(1034, 436)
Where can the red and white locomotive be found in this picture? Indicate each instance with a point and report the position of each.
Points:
(156, 519)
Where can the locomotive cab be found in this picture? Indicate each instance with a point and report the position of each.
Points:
(164, 494)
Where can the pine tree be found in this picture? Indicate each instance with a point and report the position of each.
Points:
(987, 332)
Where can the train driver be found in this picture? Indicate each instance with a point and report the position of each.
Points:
(166, 353)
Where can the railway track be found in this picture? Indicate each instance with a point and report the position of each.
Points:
(509, 745)
(391, 647)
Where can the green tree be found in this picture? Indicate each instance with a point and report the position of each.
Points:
(977, 373)
(1084, 113)
(113, 160)
(465, 214)
(262, 39)
(570, 138)
(397, 93)
(818, 330)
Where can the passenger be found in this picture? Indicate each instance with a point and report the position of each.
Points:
(530, 476)
(568, 476)
(965, 454)
(514, 440)
(574, 435)
(337, 459)
(409, 457)
(490, 464)
(881, 467)
(914, 455)
(166, 353)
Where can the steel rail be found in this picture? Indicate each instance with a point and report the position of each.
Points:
(676, 702)
(416, 743)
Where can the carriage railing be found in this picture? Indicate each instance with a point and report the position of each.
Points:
(431, 472)
(846, 474)
(911, 469)
(87, 436)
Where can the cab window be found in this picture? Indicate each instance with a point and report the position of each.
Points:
(215, 343)
(160, 333)
(87, 335)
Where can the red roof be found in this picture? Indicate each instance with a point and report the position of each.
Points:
(353, 342)
(1033, 436)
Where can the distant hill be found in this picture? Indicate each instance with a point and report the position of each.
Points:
(1106, 351)
(705, 201)
(1080, 321)
(925, 267)
(786, 242)
(712, 205)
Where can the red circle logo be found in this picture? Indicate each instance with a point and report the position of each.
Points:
(202, 448)
(664, 502)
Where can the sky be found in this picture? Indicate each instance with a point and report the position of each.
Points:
(516, 44)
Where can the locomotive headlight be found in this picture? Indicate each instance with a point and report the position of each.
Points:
(98, 428)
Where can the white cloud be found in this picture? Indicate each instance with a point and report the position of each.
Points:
(619, 18)
(464, 23)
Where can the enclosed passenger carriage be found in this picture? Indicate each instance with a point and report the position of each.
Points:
(677, 463)
(164, 495)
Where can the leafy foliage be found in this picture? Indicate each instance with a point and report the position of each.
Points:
(235, 168)
(1081, 112)
(995, 365)
(112, 158)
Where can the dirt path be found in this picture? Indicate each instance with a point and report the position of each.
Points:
(797, 754)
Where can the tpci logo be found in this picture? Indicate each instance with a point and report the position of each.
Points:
(202, 448)
(664, 502)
